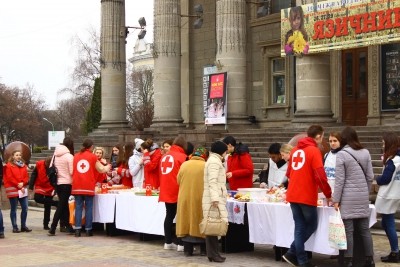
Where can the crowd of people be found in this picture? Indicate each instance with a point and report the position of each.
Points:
(193, 180)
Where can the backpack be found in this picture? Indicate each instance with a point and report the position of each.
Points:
(52, 173)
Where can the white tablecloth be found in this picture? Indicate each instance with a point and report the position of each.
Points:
(272, 223)
(104, 208)
(143, 214)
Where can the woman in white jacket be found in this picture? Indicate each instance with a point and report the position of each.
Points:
(215, 194)
(388, 199)
(135, 164)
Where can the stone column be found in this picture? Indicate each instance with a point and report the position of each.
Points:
(113, 64)
(231, 56)
(167, 64)
(313, 91)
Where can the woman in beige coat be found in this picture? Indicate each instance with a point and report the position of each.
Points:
(190, 211)
(215, 194)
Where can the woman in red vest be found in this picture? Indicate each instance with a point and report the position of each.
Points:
(44, 191)
(16, 183)
(123, 170)
(83, 185)
(169, 188)
(99, 152)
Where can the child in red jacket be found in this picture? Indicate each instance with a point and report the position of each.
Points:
(15, 183)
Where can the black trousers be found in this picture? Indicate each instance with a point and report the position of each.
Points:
(47, 201)
(169, 229)
(62, 211)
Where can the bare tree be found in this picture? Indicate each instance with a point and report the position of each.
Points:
(21, 116)
(87, 67)
(140, 102)
(71, 112)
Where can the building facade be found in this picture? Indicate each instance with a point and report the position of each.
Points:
(359, 86)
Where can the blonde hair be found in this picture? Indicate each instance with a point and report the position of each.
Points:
(286, 148)
(98, 148)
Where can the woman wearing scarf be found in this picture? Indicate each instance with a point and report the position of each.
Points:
(190, 213)
(16, 184)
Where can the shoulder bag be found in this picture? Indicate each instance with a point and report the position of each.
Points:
(213, 226)
(52, 173)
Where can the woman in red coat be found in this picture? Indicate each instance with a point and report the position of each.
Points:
(44, 191)
(16, 183)
(240, 169)
(151, 160)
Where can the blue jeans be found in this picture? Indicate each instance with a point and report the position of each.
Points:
(305, 223)
(389, 225)
(13, 212)
(88, 200)
(1, 222)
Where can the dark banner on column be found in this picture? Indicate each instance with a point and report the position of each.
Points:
(214, 98)
(339, 24)
(391, 77)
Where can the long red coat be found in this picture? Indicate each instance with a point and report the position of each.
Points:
(169, 167)
(12, 176)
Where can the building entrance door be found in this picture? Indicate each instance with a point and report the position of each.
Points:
(355, 86)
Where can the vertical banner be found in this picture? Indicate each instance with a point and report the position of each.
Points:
(214, 98)
(391, 77)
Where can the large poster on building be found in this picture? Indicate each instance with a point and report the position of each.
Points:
(214, 98)
(339, 24)
(391, 77)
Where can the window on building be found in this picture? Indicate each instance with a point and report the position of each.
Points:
(268, 7)
(278, 81)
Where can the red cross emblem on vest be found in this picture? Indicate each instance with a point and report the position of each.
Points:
(167, 164)
(82, 166)
(298, 159)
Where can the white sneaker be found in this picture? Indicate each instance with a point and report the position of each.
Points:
(171, 246)
(180, 248)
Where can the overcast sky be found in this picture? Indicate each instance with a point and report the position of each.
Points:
(35, 39)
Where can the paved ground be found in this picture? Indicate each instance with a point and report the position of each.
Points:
(38, 249)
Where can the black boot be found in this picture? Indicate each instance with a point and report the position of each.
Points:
(89, 233)
(188, 249)
(203, 250)
(392, 257)
(369, 262)
(52, 232)
(77, 232)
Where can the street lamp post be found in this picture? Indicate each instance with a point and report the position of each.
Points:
(49, 122)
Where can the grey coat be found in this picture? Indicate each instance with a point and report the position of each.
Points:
(351, 186)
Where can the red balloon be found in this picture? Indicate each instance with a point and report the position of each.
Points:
(324, 147)
(17, 145)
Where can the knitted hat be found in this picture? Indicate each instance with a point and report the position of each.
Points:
(219, 147)
(138, 143)
(200, 152)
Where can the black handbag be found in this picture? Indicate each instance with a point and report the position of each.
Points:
(52, 173)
